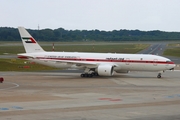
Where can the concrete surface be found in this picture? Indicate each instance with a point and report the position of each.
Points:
(67, 96)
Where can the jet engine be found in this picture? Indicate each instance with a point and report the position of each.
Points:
(105, 70)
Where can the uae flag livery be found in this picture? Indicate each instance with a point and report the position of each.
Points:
(29, 39)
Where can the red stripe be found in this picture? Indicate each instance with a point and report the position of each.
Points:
(104, 60)
(32, 40)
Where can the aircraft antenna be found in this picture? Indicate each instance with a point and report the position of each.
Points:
(38, 32)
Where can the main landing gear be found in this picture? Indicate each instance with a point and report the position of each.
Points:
(89, 75)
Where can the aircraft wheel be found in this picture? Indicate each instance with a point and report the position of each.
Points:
(86, 75)
(90, 75)
(159, 75)
(82, 75)
(96, 74)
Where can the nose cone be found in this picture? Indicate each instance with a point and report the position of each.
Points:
(171, 65)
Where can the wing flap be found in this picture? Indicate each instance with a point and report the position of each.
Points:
(83, 63)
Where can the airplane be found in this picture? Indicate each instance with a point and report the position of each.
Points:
(93, 64)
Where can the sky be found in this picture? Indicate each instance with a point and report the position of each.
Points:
(107, 15)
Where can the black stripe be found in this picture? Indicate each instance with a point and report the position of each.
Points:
(28, 41)
(25, 38)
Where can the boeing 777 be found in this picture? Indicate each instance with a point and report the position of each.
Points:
(93, 64)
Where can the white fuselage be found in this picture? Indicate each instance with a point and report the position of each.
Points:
(121, 62)
(94, 64)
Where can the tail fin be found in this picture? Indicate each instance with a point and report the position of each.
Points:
(29, 42)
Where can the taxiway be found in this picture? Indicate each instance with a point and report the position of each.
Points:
(67, 96)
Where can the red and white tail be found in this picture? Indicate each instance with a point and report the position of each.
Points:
(29, 42)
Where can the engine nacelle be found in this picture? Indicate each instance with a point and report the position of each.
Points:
(105, 70)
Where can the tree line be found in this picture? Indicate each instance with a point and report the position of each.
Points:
(60, 34)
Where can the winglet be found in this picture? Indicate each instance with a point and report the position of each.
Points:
(29, 42)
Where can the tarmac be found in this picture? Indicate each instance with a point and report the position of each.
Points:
(67, 96)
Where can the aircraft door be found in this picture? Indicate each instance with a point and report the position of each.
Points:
(127, 61)
(167, 64)
(155, 62)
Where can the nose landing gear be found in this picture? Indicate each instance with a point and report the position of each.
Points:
(159, 75)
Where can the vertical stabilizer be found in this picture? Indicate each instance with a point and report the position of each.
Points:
(29, 42)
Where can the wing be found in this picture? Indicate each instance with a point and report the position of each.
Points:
(79, 63)
(88, 64)
(84, 63)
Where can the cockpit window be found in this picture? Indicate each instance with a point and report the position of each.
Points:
(168, 61)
